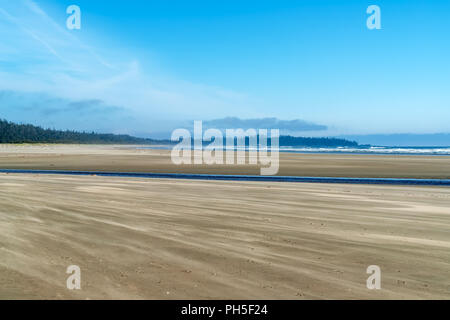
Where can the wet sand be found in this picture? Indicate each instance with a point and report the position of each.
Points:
(130, 159)
(173, 239)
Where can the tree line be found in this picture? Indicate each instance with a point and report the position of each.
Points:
(26, 133)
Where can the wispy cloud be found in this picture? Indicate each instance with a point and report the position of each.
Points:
(75, 41)
(38, 55)
(29, 32)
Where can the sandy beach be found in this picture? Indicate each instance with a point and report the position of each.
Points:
(178, 239)
(118, 158)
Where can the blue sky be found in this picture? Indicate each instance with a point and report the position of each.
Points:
(145, 67)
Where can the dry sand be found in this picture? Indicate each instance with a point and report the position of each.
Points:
(169, 239)
(128, 158)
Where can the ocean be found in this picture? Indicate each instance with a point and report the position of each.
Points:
(441, 151)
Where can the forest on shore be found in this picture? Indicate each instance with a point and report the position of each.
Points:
(26, 133)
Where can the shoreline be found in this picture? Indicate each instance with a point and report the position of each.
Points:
(373, 150)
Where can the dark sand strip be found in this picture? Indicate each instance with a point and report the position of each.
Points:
(380, 181)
